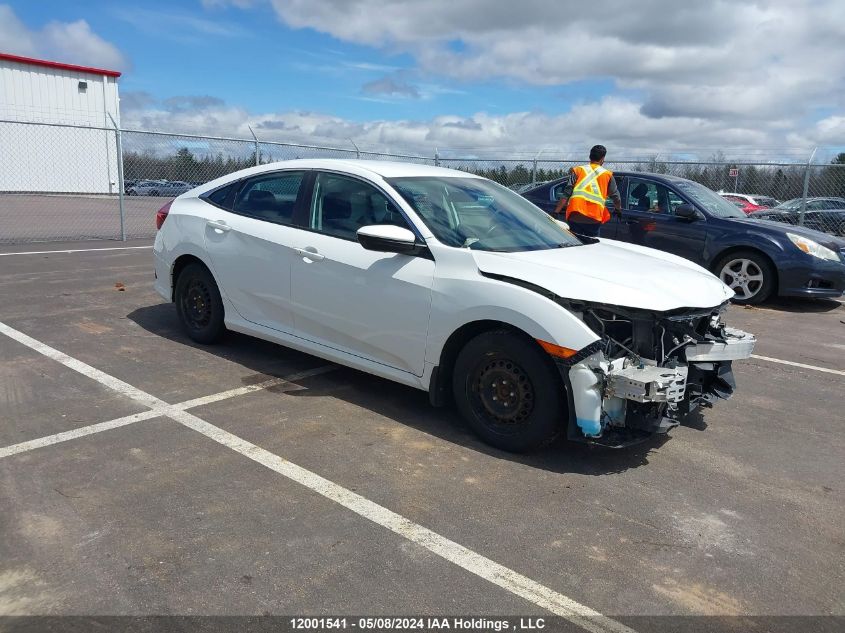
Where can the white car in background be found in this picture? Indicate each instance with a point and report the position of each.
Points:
(162, 188)
(455, 285)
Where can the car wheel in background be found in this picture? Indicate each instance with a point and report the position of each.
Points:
(509, 391)
(748, 274)
(198, 304)
(154, 192)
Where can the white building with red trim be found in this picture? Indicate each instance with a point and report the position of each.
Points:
(56, 128)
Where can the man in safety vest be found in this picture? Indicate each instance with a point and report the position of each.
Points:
(585, 194)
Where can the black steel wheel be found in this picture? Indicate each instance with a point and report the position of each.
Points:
(509, 391)
(198, 304)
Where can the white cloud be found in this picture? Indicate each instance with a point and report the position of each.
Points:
(15, 38)
(716, 60)
(72, 42)
(631, 133)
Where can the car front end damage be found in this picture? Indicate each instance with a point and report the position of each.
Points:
(648, 371)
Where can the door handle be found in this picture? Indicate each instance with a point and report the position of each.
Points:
(218, 225)
(310, 253)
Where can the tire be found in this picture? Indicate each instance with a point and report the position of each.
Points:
(518, 419)
(199, 305)
(749, 274)
(154, 193)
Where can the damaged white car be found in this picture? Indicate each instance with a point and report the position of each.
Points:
(450, 283)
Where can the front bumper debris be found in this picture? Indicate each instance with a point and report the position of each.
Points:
(621, 396)
(735, 345)
(647, 383)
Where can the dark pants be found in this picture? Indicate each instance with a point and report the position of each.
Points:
(587, 229)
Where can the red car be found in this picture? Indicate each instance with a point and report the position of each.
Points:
(749, 203)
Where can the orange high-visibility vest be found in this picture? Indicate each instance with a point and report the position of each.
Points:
(590, 192)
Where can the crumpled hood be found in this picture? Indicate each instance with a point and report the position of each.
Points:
(612, 273)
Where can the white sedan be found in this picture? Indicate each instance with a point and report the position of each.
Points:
(455, 285)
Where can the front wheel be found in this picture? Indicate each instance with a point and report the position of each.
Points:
(509, 391)
(749, 275)
(198, 304)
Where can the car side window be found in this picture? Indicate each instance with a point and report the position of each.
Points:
(557, 191)
(341, 205)
(651, 197)
(642, 195)
(220, 197)
(620, 184)
(270, 197)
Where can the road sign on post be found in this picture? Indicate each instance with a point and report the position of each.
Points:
(733, 172)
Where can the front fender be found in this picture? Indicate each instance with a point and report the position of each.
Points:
(458, 302)
(751, 239)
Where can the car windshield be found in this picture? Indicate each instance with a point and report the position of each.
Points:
(709, 200)
(479, 214)
(789, 205)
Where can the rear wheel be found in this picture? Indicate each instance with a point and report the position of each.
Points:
(509, 391)
(748, 274)
(198, 304)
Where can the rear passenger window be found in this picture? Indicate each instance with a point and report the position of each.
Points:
(220, 197)
(271, 197)
(342, 205)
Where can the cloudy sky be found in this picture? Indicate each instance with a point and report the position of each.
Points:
(467, 77)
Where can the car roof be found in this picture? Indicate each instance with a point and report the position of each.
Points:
(383, 168)
(647, 174)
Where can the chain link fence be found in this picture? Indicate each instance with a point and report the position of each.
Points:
(61, 182)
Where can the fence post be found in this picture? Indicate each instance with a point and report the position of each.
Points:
(806, 188)
(357, 151)
(436, 158)
(255, 138)
(119, 147)
(534, 166)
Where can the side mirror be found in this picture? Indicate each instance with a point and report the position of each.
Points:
(687, 212)
(387, 238)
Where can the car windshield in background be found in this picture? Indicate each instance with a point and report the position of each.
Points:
(709, 200)
(479, 214)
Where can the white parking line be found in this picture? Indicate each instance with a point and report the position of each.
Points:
(825, 370)
(453, 552)
(76, 250)
(99, 427)
(447, 549)
(66, 436)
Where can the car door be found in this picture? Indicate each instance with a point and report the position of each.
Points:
(610, 229)
(248, 238)
(371, 304)
(648, 219)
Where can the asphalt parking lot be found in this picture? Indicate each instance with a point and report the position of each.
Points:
(143, 474)
(42, 217)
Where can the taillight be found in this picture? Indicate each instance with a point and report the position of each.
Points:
(161, 214)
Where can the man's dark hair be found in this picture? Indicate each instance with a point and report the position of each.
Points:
(597, 152)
